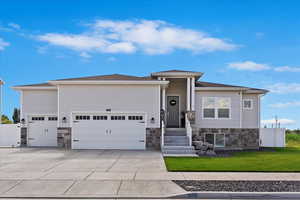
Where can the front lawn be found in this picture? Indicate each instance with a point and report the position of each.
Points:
(274, 160)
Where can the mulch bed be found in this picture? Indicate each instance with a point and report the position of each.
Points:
(240, 186)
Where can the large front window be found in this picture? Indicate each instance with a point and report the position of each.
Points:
(216, 107)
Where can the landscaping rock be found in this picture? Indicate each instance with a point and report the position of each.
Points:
(211, 153)
(240, 186)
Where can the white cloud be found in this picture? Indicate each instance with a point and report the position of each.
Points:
(85, 55)
(253, 66)
(281, 121)
(150, 37)
(287, 69)
(76, 42)
(3, 44)
(14, 26)
(285, 105)
(283, 88)
(248, 65)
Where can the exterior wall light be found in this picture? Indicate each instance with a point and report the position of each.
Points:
(152, 120)
(64, 120)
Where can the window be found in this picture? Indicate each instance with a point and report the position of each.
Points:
(217, 139)
(216, 107)
(135, 117)
(117, 117)
(248, 104)
(82, 117)
(99, 117)
(52, 118)
(38, 118)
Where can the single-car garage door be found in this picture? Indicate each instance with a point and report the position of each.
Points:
(42, 130)
(109, 131)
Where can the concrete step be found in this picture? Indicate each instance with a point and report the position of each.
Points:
(177, 133)
(176, 144)
(180, 155)
(178, 150)
(176, 137)
(176, 129)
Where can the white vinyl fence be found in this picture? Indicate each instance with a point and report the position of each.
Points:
(272, 137)
(10, 135)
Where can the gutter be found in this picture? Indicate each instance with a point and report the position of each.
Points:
(110, 82)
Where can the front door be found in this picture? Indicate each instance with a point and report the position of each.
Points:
(173, 112)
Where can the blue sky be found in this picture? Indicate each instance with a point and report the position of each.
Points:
(249, 43)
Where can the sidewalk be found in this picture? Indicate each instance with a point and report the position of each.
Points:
(149, 176)
(113, 184)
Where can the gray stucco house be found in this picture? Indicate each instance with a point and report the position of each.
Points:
(165, 110)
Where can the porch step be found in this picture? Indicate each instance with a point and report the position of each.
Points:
(177, 144)
(188, 150)
(176, 141)
(175, 133)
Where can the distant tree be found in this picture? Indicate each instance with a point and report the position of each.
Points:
(288, 131)
(5, 120)
(16, 116)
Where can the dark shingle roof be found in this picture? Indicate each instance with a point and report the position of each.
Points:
(110, 77)
(175, 70)
(35, 85)
(209, 84)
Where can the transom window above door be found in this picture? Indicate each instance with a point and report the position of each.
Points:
(216, 107)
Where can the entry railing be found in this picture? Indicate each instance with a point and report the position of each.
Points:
(188, 129)
(163, 130)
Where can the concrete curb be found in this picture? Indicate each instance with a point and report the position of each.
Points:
(238, 195)
(188, 195)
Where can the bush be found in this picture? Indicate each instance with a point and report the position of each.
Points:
(292, 139)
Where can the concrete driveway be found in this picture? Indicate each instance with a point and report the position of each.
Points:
(33, 163)
(40, 172)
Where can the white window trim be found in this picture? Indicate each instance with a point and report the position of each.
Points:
(251, 107)
(216, 109)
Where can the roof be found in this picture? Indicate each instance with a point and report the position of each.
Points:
(110, 77)
(36, 85)
(209, 84)
(175, 70)
(177, 73)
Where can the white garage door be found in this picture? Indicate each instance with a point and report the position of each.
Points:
(109, 131)
(42, 131)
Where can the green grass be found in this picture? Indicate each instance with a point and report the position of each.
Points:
(278, 160)
(293, 140)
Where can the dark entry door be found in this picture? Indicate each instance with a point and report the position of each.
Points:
(173, 111)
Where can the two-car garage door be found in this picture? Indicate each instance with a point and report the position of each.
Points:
(108, 131)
